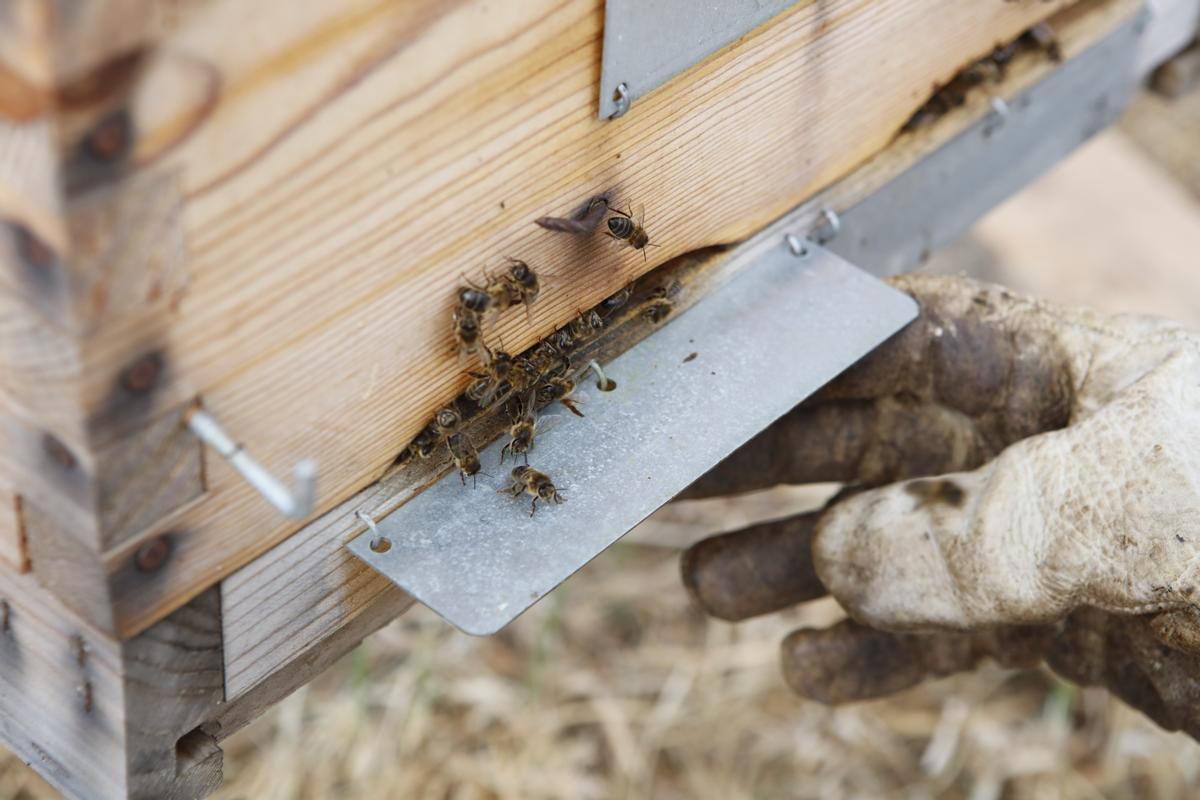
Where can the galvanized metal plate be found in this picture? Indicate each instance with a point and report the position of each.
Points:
(648, 42)
(686, 397)
(939, 197)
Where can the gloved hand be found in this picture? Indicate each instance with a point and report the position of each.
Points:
(1063, 524)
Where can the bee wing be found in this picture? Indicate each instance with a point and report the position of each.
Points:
(640, 211)
(547, 422)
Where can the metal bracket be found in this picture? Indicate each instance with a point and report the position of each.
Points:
(296, 503)
(648, 43)
(478, 557)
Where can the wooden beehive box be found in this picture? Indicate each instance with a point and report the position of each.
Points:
(265, 208)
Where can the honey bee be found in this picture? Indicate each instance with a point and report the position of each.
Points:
(426, 442)
(613, 302)
(523, 284)
(467, 334)
(559, 387)
(586, 324)
(527, 480)
(521, 433)
(466, 458)
(624, 228)
(504, 373)
(659, 304)
(446, 421)
(474, 298)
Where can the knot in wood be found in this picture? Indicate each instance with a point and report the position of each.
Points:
(151, 556)
(142, 375)
(58, 452)
(111, 139)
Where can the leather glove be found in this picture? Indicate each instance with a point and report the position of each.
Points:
(1063, 525)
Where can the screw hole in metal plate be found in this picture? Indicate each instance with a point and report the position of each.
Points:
(381, 545)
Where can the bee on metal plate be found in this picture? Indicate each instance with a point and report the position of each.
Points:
(466, 458)
(623, 228)
(527, 480)
(525, 425)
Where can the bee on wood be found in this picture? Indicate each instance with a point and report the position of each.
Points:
(660, 303)
(560, 386)
(527, 480)
(586, 324)
(623, 228)
(523, 284)
(446, 421)
(466, 458)
(503, 374)
(474, 298)
(468, 335)
(583, 221)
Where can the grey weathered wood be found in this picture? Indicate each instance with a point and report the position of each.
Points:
(100, 718)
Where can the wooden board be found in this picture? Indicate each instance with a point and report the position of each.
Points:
(279, 198)
(99, 718)
(290, 599)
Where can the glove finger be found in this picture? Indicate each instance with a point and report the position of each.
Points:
(753, 571)
(848, 661)
(1124, 654)
(862, 441)
(977, 371)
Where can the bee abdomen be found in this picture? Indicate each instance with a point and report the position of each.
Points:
(620, 227)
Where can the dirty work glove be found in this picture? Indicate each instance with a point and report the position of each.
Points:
(1063, 524)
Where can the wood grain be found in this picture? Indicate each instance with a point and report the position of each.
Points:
(362, 156)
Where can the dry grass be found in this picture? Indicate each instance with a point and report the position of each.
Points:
(616, 687)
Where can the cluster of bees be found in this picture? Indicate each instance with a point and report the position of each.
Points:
(989, 70)
(525, 383)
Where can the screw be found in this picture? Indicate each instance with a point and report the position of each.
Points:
(796, 245)
(151, 556)
(379, 543)
(58, 451)
(831, 226)
(141, 376)
(996, 117)
(621, 100)
(111, 139)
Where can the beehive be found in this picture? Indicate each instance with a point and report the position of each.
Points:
(265, 209)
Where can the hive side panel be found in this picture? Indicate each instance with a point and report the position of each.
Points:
(341, 165)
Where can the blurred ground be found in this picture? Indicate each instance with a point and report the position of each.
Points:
(615, 687)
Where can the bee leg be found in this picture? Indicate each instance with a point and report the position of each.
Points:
(526, 454)
(528, 313)
(462, 476)
(533, 506)
(570, 404)
(474, 482)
